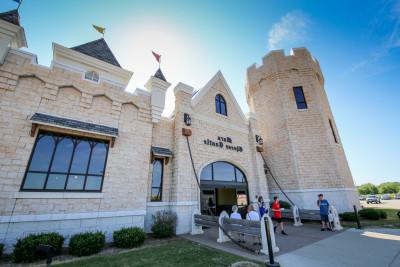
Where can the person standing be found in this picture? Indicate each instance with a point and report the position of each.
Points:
(261, 206)
(323, 205)
(276, 208)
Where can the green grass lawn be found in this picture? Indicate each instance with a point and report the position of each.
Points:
(392, 221)
(176, 253)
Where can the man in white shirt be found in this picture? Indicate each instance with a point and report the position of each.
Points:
(251, 214)
(235, 214)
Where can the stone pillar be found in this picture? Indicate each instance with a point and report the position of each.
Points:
(185, 191)
(157, 88)
(11, 36)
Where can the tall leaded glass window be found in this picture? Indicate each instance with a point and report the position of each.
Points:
(66, 163)
(157, 180)
(300, 98)
(220, 105)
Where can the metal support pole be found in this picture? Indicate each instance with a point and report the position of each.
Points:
(272, 262)
(357, 218)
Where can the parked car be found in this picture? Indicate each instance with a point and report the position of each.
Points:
(385, 197)
(397, 196)
(373, 199)
(361, 197)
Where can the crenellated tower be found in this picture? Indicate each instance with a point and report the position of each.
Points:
(301, 141)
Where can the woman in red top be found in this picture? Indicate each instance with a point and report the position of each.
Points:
(276, 208)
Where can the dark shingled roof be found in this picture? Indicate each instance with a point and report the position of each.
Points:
(75, 124)
(160, 75)
(11, 16)
(98, 49)
(161, 151)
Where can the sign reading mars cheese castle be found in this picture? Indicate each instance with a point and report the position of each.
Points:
(79, 153)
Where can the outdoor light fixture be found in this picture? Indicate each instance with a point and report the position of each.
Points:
(187, 119)
(259, 140)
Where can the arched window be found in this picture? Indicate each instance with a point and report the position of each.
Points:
(221, 171)
(220, 105)
(92, 76)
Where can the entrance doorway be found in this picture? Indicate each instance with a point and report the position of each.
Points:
(223, 185)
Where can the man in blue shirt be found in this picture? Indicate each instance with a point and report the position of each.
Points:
(323, 205)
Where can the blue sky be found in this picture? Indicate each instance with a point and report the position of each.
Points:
(356, 42)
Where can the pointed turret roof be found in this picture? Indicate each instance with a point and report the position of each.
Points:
(98, 49)
(11, 16)
(160, 75)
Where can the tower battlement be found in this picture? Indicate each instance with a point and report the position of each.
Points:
(276, 64)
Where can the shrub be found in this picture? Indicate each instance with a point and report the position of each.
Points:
(1, 250)
(164, 224)
(348, 216)
(382, 214)
(129, 237)
(25, 248)
(85, 244)
(370, 214)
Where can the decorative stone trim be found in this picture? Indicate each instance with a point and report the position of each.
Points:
(70, 216)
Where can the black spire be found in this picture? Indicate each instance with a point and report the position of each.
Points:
(11, 16)
(160, 75)
(98, 49)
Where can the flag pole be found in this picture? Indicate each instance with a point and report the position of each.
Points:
(19, 4)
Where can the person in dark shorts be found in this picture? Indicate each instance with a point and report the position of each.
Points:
(323, 205)
(276, 208)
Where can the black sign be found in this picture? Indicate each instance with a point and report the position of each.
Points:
(223, 142)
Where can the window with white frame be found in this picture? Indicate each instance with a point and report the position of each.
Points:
(92, 76)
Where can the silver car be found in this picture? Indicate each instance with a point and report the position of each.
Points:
(373, 199)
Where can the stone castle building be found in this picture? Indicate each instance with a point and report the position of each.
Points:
(80, 153)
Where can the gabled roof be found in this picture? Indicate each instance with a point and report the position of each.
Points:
(198, 95)
(11, 16)
(98, 49)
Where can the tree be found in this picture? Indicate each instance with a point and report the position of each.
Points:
(389, 188)
(367, 189)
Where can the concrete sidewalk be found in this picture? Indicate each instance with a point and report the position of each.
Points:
(308, 246)
(351, 248)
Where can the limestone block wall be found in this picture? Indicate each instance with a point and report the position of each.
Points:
(299, 144)
(26, 88)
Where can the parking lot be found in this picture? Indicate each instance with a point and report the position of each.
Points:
(386, 204)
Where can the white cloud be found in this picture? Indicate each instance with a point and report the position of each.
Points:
(291, 29)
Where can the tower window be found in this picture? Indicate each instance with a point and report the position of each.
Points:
(220, 105)
(157, 180)
(333, 132)
(300, 98)
(92, 76)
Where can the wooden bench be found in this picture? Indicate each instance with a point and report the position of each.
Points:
(205, 220)
(313, 215)
(226, 226)
(310, 215)
(245, 227)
